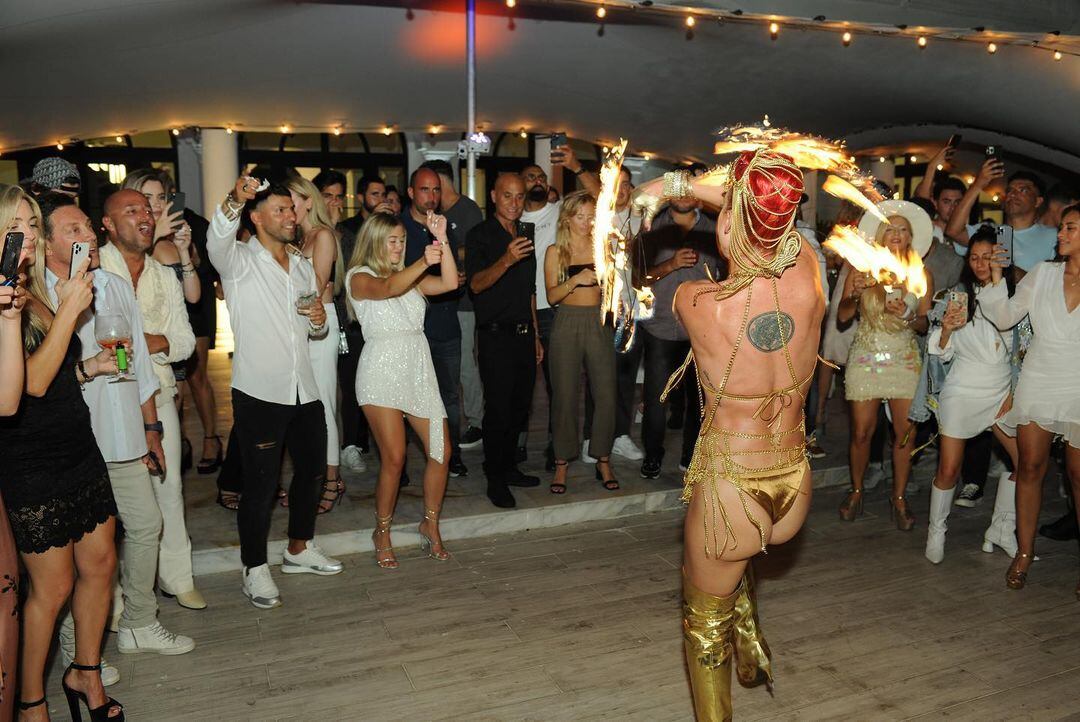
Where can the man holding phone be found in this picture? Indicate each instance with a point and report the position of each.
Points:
(501, 270)
(1032, 242)
(127, 430)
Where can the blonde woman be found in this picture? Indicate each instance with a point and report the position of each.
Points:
(55, 483)
(395, 377)
(578, 336)
(884, 360)
(320, 244)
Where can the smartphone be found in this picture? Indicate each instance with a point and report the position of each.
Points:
(9, 262)
(958, 298)
(897, 294)
(79, 253)
(993, 151)
(524, 229)
(558, 140)
(954, 140)
(155, 465)
(1005, 240)
(178, 199)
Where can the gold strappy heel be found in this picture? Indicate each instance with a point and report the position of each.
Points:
(1015, 578)
(382, 526)
(905, 520)
(852, 505)
(426, 543)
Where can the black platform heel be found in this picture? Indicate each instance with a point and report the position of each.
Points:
(74, 696)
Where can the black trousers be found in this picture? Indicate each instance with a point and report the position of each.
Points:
(661, 358)
(231, 476)
(977, 453)
(262, 429)
(354, 427)
(446, 359)
(507, 362)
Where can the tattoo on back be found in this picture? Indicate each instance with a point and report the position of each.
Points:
(766, 335)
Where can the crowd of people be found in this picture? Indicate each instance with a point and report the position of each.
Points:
(419, 315)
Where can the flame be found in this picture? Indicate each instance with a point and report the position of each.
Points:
(844, 190)
(878, 261)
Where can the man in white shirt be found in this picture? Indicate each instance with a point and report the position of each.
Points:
(273, 305)
(126, 428)
(544, 216)
(167, 332)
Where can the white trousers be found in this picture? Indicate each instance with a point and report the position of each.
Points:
(174, 558)
(324, 358)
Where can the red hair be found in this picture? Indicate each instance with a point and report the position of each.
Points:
(773, 187)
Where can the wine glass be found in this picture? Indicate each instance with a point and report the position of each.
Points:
(113, 332)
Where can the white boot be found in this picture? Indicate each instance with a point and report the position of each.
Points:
(1002, 530)
(940, 504)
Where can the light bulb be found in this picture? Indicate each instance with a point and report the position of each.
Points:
(387, 130)
(922, 42)
(434, 129)
(991, 48)
(774, 30)
(1057, 55)
(690, 21)
(996, 198)
(119, 139)
(914, 158)
(228, 130)
(881, 159)
(970, 179)
(601, 12)
(337, 130)
(59, 146)
(523, 134)
(284, 128)
(176, 131)
(846, 38)
(511, 3)
(940, 166)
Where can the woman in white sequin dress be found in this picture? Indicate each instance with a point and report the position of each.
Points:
(395, 377)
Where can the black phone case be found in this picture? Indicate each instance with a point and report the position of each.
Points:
(9, 263)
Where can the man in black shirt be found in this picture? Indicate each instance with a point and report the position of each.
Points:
(501, 269)
(441, 324)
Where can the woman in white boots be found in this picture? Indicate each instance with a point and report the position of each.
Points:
(975, 396)
(1047, 399)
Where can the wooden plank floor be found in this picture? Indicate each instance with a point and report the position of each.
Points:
(582, 622)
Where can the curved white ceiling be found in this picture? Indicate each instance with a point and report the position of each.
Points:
(87, 68)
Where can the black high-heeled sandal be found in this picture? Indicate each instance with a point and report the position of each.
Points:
(558, 487)
(332, 491)
(229, 500)
(209, 466)
(609, 484)
(74, 696)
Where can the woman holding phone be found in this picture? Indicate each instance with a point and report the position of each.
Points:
(1047, 398)
(975, 396)
(579, 337)
(56, 486)
(320, 244)
(395, 376)
(884, 360)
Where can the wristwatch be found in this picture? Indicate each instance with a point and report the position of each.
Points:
(156, 426)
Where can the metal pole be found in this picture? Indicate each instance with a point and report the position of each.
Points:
(470, 72)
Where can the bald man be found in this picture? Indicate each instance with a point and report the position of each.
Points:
(129, 223)
(441, 325)
(501, 270)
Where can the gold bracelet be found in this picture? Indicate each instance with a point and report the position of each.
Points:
(677, 184)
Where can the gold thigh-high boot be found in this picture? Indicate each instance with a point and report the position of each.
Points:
(707, 632)
(752, 665)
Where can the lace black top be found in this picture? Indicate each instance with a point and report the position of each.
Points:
(54, 480)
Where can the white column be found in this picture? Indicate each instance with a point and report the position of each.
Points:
(220, 166)
(189, 170)
(884, 171)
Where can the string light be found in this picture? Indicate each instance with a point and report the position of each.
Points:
(914, 158)
(285, 128)
(690, 21)
(228, 130)
(881, 159)
(1057, 55)
(996, 198)
(941, 166)
(59, 146)
(991, 48)
(846, 38)
(387, 130)
(601, 12)
(337, 130)
(434, 129)
(922, 42)
(176, 131)
(524, 135)
(119, 139)
(774, 30)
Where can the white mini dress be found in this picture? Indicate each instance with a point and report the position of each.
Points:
(395, 368)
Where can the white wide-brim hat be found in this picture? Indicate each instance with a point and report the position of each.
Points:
(922, 228)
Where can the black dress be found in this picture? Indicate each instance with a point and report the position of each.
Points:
(54, 480)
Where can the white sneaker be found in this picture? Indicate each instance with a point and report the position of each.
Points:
(259, 587)
(625, 447)
(585, 458)
(154, 638)
(110, 675)
(310, 561)
(353, 459)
